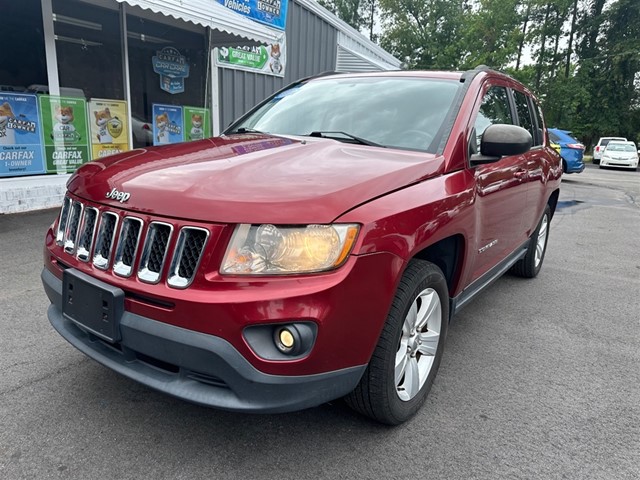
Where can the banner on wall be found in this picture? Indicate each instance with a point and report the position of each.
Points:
(167, 124)
(65, 132)
(172, 67)
(269, 12)
(108, 126)
(20, 138)
(197, 123)
(258, 58)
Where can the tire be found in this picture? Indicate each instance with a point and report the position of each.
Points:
(423, 298)
(564, 166)
(530, 265)
(596, 162)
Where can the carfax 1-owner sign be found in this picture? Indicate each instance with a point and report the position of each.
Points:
(65, 132)
(20, 141)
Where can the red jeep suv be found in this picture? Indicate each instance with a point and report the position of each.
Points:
(317, 249)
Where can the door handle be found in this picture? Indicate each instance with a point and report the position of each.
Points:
(521, 174)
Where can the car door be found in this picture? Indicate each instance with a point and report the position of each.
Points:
(535, 162)
(500, 188)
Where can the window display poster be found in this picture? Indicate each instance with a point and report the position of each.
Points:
(197, 123)
(258, 58)
(64, 132)
(108, 126)
(269, 12)
(172, 67)
(167, 124)
(20, 141)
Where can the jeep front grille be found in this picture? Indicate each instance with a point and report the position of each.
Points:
(110, 240)
(88, 232)
(71, 230)
(154, 252)
(127, 246)
(187, 256)
(106, 235)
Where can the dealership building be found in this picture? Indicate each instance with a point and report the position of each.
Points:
(81, 79)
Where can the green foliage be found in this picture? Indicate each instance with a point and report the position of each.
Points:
(581, 57)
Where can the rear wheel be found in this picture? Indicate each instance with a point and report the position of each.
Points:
(530, 265)
(406, 359)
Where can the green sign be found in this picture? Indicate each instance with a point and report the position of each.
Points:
(251, 57)
(197, 123)
(65, 133)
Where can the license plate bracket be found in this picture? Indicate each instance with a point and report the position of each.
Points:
(93, 305)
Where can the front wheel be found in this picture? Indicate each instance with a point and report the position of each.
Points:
(404, 364)
(531, 263)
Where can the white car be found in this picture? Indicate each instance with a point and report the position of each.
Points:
(620, 154)
(601, 145)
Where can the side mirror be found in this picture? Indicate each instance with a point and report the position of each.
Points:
(501, 140)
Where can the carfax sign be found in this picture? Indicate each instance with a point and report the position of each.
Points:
(65, 132)
(108, 126)
(269, 12)
(259, 58)
(172, 67)
(167, 124)
(20, 142)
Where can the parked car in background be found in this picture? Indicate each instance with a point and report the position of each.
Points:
(571, 150)
(142, 132)
(601, 145)
(620, 154)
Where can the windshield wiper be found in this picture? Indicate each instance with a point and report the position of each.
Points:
(331, 134)
(246, 130)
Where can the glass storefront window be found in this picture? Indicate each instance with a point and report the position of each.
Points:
(167, 66)
(22, 56)
(89, 49)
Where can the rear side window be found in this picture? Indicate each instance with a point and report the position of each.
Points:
(494, 109)
(524, 116)
(604, 142)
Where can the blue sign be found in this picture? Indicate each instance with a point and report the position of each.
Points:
(167, 124)
(269, 12)
(172, 68)
(21, 150)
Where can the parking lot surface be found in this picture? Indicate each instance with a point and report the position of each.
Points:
(540, 379)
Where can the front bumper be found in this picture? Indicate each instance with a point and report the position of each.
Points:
(197, 367)
(609, 162)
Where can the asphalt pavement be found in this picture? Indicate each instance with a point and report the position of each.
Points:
(540, 379)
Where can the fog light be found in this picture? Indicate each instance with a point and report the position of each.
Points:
(287, 339)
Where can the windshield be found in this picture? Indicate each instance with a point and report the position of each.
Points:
(620, 148)
(391, 112)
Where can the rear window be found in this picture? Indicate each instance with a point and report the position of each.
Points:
(615, 147)
(553, 137)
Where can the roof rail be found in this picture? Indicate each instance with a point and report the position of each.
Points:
(470, 74)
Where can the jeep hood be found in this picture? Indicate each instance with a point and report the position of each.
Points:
(251, 178)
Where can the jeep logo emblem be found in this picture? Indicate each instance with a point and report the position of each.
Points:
(120, 196)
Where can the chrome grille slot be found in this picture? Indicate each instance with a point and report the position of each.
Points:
(187, 256)
(71, 230)
(127, 246)
(62, 221)
(104, 242)
(154, 252)
(88, 230)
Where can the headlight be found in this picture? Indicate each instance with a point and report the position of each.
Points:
(270, 250)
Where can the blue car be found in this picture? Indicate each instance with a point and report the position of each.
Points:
(571, 150)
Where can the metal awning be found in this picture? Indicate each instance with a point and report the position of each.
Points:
(209, 13)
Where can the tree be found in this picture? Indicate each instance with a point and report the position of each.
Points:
(423, 33)
(360, 14)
